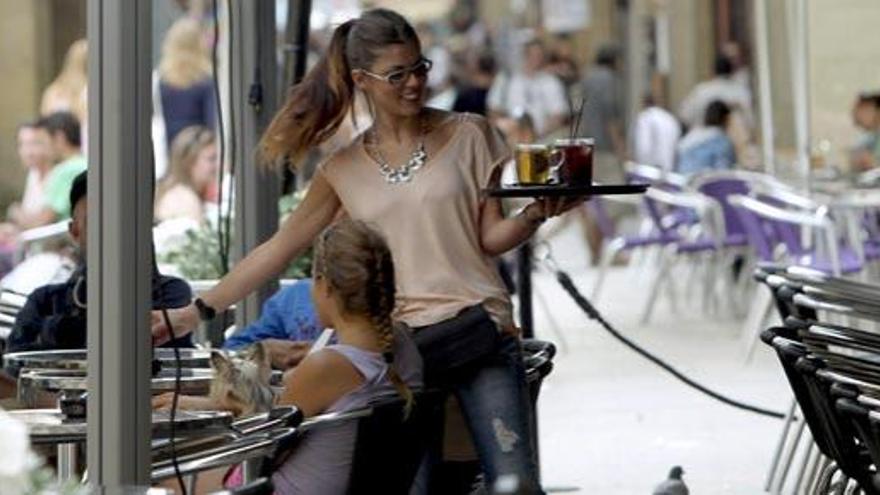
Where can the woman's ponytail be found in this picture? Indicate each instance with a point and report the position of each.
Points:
(314, 108)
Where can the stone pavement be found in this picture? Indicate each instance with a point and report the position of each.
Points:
(613, 423)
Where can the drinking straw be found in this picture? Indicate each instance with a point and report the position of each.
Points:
(577, 122)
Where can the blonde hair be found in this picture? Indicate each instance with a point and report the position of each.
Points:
(184, 59)
(70, 85)
(356, 263)
(184, 152)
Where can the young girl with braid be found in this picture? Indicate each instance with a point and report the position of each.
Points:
(354, 294)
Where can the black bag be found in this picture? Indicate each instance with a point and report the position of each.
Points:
(453, 344)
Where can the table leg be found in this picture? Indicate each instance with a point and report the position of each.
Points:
(67, 461)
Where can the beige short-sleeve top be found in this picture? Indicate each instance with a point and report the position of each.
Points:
(432, 223)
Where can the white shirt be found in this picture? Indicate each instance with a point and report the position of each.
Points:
(32, 200)
(541, 95)
(654, 138)
(729, 90)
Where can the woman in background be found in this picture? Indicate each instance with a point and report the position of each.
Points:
(194, 165)
(185, 84)
(67, 93)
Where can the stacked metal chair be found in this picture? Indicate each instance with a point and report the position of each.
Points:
(829, 349)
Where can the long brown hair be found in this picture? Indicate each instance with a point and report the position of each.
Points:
(356, 263)
(316, 106)
(185, 151)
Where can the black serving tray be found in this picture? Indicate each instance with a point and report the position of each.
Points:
(564, 191)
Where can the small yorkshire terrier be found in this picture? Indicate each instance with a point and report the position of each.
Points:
(241, 383)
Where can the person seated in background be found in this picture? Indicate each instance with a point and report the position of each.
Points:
(707, 147)
(354, 293)
(36, 156)
(865, 155)
(194, 166)
(54, 316)
(64, 133)
(287, 326)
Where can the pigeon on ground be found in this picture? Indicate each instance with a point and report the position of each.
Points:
(674, 485)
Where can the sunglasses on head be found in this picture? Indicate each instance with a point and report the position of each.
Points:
(419, 69)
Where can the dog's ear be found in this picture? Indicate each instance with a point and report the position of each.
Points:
(260, 355)
(221, 364)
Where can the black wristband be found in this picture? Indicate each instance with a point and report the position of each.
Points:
(206, 313)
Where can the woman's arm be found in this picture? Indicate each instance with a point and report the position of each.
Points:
(499, 234)
(292, 239)
(320, 380)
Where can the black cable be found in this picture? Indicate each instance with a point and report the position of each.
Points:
(174, 398)
(157, 279)
(567, 284)
(227, 232)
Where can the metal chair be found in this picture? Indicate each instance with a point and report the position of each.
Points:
(701, 239)
(613, 243)
(833, 370)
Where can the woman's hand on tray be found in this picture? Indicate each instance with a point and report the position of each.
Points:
(553, 207)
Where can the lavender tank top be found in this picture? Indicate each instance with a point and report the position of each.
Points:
(321, 463)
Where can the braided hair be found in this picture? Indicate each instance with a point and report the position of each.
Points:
(356, 263)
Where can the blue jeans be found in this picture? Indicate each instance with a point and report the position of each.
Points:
(495, 404)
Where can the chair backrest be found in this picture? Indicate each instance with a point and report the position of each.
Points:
(670, 210)
(637, 173)
(390, 448)
(769, 224)
(721, 188)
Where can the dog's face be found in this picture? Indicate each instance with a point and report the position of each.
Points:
(241, 384)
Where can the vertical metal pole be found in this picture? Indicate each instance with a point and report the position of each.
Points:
(765, 97)
(67, 461)
(524, 289)
(636, 58)
(797, 25)
(254, 89)
(119, 243)
(296, 41)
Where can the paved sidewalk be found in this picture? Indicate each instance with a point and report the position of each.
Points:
(613, 423)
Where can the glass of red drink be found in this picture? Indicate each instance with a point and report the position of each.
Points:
(575, 165)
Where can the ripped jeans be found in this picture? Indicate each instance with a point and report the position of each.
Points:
(495, 405)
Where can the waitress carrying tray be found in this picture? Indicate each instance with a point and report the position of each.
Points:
(564, 190)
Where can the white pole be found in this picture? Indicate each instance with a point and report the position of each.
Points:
(765, 97)
(797, 28)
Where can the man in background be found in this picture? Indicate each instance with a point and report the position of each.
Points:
(65, 139)
(602, 116)
(532, 91)
(655, 135)
(54, 316)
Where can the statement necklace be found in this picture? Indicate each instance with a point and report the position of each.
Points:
(405, 172)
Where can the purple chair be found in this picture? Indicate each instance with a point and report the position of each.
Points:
(702, 238)
(770, 227)
(774, 234)
(613, 243)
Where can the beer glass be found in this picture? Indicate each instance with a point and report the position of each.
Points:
(533, 163)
